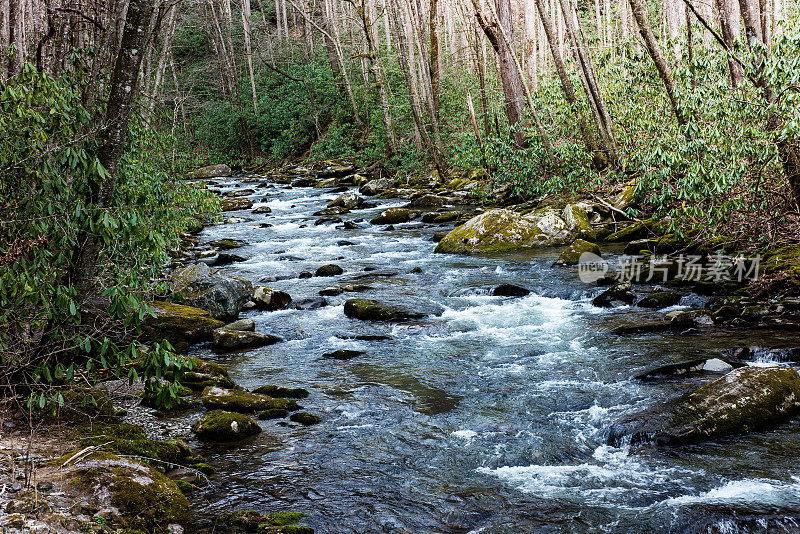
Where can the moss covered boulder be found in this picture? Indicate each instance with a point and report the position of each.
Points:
(139, 498)
(283, 522)
(84, 405)
(395, 216)
(178, 323)
(221, 296)
(235, 204)
(572, 254)
(204, 374)
(281, 392)
(660, 299)
(222, 426)
(371, 310)
(242, 401)
(502, 230)
(227, 340)
(784, 262)
(130, 440)
(266, 298)
(746, 399)
(211, 171)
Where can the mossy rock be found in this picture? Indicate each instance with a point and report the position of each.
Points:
(84, 405)
(502, 230)
(235, 204)
(282, 392)
(784, 260)
(222, 426)
(660, 299)
(274, 413)
(146, 499)
(176, 323)
(637, 230)
(266, 523)
(746, 399)
(371, 310)
(130, 440)
(395, 216)
(227, 244)
(238, 400)
(572, 255)
(202, 375)
(305, 418)
(231, 340)
(219, 170)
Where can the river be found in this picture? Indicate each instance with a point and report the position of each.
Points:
(488, 416)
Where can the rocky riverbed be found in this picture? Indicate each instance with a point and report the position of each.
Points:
(399, 357)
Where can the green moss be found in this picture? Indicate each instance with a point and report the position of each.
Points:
(371, 310)
(240, 400)
(184, 486)
(222, 426)
(203, 374)
(176, 323)
(273, 414)
(637, 230)
(130, 440)
(205, 468)
(282, 392)
(395, 216)
(83, 405)
(305, 418)
(572, 255)
(284, 518)
(659, 299)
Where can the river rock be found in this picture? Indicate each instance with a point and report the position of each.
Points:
(305, 418)
(225, 339)
(222, 426)
(131, 496)
(311, 303)
(202, 375)
(242, 325)
(262, 210)
(178, 323)
(223, 297)
(328, 212)
(371, 310)
(618, 294)
(350, 201)
(331, 291)
(211, 171)
(266, 298)
(280, 392)
(395, 216)
(227, 244)
(660, 299)
(431, 201)
(510, 290)
(696, 366)
(572, 255)
(236, 400)
(235, 204)
(501, 230)
(749, 398)
(373, 187)
(329, 270)
(343, 354)
(222, 259)
(236, 193)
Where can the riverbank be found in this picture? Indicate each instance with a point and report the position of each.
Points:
(282, 233)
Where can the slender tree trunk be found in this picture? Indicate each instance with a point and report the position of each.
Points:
(725, 23)
(249, 53)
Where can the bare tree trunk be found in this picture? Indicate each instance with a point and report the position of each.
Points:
(249, 53)
(654, 50)
(724, 9)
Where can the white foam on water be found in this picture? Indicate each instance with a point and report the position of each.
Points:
(467, 434)
(750, 491)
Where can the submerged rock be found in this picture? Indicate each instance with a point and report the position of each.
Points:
(311, 303)
(501, 230)
(618, 294)
(749, 398)
(223, 297)
(329, 270)
(343, 354)
(371, 310)
(280, 392)
(305, 418)
(660, 299)
(222, 426)
(395, 216)
(237, 400)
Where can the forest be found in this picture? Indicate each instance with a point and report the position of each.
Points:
(295, 266)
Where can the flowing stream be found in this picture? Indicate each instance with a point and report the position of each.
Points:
(488, 416)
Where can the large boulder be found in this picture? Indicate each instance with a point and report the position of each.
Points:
(204, 374)
(131, 496)
(235, 204)
(222, 426)
(236, 400)
(266, 298)
(226, 339)
(500, 230)
(749, 398)
(349, 201)
(572, 254)
(211, 171)
(223, 297)
(395, 216)
(371, 310)
(373, 187)
(178, 323)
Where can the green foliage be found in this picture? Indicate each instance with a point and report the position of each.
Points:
(51, 330)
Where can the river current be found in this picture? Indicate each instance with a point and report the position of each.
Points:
(490, 415)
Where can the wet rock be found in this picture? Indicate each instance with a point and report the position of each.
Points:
(441, 218)
(222, 297)
(349, 225)
(618, 294)
(660, 299)
(236, 220)
(438, 236)
(267, 298)
(305, 274)
(328, 212)
(227, 244)
(502, 230)
(235, 204)
(211, 171)
(746, 399)
(371, 310)
(631, 232)
(272, 523)
(139, 498)
(344, 243)
(327, 220)
(243, 325)
(337, 171)
(236, 193)
(374, 273)
(329, 270)
(222, 259)
(691, 319)
(305, 182)
(177, 323)
(305, 418)
(235, 400)
(350, 201)
(343, 354)
(225, 339)
(222, 426)
(643, 328)
(395, 216)
(261, 210)
(373, 187)
(356, 288)
(698, 366)
(311, 303)
(572, 255)
(431, 201)
(510, 290)
(274, 413)
(331, 291)
(280, 392)
(625, 198)
(203, 374)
